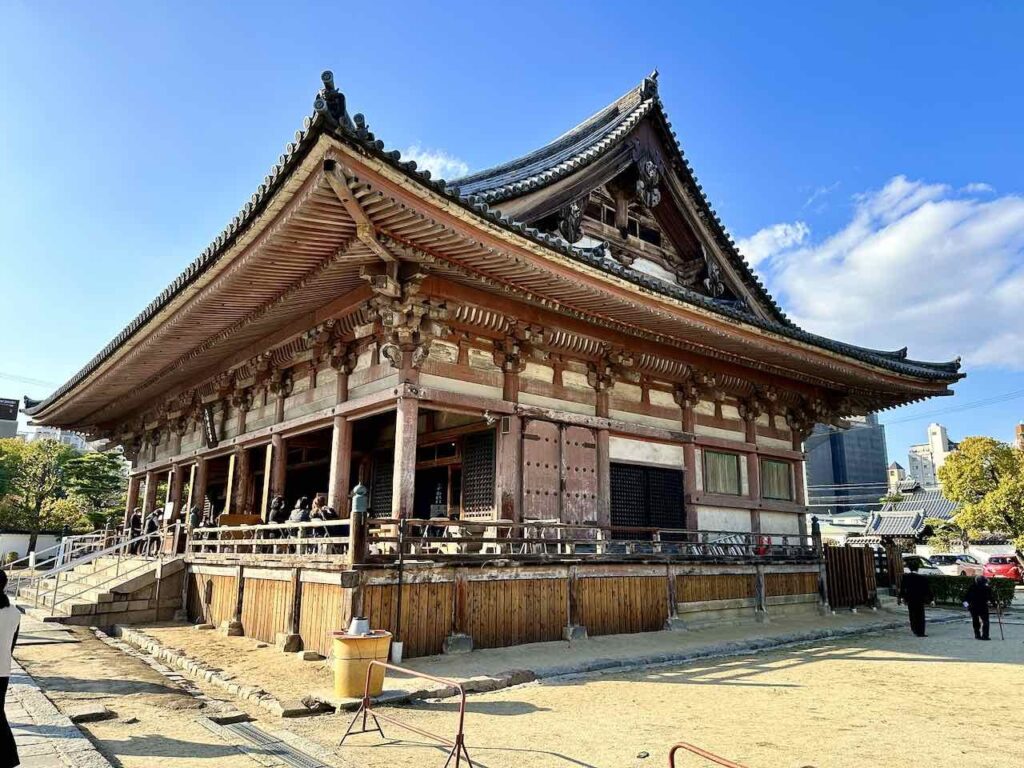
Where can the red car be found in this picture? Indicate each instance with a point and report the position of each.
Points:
(1006, 566)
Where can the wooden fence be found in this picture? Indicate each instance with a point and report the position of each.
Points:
(851, 576)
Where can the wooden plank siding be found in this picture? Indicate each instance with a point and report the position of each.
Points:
(325, 608)
(426, 614)
(211, 599)
(500, 613)
(266, 606)
(699, 588)
(778, 584)
(622, 604)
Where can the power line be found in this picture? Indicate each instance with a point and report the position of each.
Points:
(26, 380)
(970, 405)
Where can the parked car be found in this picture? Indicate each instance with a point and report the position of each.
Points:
(957, 564)
(924, 566)
(1006, 566)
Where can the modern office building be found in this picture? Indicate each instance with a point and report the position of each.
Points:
(846, 468)
(926, 458)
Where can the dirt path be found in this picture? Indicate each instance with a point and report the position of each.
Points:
(887, 699)
(156, 723)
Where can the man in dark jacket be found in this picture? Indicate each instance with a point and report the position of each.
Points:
(916, 593)
(977, 599)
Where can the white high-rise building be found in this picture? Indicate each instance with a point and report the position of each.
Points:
(926, 458)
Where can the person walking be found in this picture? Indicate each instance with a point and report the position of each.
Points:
(10, 620)
(152, 531)
(916, 593)
(135, 529)
(977, 599)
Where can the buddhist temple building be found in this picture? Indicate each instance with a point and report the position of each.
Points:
(568, 344)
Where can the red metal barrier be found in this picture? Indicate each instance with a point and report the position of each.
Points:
(700, 753)
(458, 746)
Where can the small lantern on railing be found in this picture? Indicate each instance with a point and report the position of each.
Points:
(360, 500)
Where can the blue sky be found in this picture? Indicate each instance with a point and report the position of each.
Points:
(868, 157)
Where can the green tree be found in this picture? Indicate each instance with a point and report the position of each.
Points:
(101, 479)
(986, 477)
(35, 473)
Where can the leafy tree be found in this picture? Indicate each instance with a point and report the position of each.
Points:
(69, 513)
(101, 479)
(987, 478)
(946, 534)
(891, 498)
(35, 473)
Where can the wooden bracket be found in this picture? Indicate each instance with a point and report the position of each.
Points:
(365, 230)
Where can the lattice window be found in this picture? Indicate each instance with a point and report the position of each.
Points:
(646, 497)
(478, 472)
(381, 485)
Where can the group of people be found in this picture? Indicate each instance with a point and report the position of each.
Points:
(138, 525)
(916, 592)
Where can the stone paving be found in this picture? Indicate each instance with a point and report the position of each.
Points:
(45, 737)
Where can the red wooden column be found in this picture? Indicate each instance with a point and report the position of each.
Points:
(174, 490)
(279, 465)
(149, 500)
(133, 497)
(243, 481)
(508, 491)
(198, 493)
(602, 441)
(341, 454)
(690, 469)
(404, 480)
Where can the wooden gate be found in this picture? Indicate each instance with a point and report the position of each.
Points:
(851, 576)
(541, 470)
(559, 472)
(579, 475)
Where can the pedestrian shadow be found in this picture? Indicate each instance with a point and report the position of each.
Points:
(474, 751)
(57, 684)
(154, 746)
(497, 708)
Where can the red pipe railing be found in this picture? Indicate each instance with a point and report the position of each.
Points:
(710, 757)
(458, 745)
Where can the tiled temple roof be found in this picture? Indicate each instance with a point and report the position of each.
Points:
(928, 503)
(331, 116)
(894, 524)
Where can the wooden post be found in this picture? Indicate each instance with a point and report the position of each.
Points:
(509, 474)
(341, 462)
(202, 477)
(231, 485)
(149, 500)
(404, 480)
(280, 465)
(753, 475)
(268, 468)
(233, 628)
(573, 629)
(459, 641)
(690, 469)
(175, 487)
(604, 478)
(243, 480)
(291, 641)
(133, 497)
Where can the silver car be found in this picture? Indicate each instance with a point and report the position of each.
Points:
(924, 566)
(958, 564)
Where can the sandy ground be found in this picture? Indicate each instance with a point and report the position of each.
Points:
(885, 699)
(73, 667)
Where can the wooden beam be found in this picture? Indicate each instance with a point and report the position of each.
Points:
(365, 230)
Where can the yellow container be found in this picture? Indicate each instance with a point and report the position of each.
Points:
(352, 657)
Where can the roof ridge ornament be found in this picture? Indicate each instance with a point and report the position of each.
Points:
(330, 104)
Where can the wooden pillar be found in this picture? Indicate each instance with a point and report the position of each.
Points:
(407, 413)
(243, 480)
(230, 491)
(202, 477)
(279, 465)
(187, 508)
(149, 500)
(753, 475)
(268, 469)
(690, 469)
(174, 490)
(604, 477)
(341, 462)
(800, 495)
(509, 474)
(133, 497)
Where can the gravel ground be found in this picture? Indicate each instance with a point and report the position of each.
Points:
(884, 699)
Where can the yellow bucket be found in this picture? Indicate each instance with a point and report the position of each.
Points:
(352, 657)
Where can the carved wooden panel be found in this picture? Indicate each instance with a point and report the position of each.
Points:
(579, 475)
(541, 481)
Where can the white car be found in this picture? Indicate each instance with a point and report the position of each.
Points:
(924, 566)
(957, 564)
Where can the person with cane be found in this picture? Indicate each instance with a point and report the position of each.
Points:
(978, 598)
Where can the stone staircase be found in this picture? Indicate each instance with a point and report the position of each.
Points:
(107, 590)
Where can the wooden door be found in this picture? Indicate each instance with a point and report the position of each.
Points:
(541, 481)
(579, 475)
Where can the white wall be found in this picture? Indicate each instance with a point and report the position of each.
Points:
(18, 542)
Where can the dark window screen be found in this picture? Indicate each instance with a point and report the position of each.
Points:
(478, 472)
(380, 491)
(646, 497)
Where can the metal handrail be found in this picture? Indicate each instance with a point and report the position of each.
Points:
(69, 555)
(458, 745)
(709, 756)
(115, 549)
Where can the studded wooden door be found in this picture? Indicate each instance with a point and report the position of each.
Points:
(579, 475)
(541, 480)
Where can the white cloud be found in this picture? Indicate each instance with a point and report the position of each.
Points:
(772, 240)
(820, 193)
(917, 264)
(979, 188)
(440, 164)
